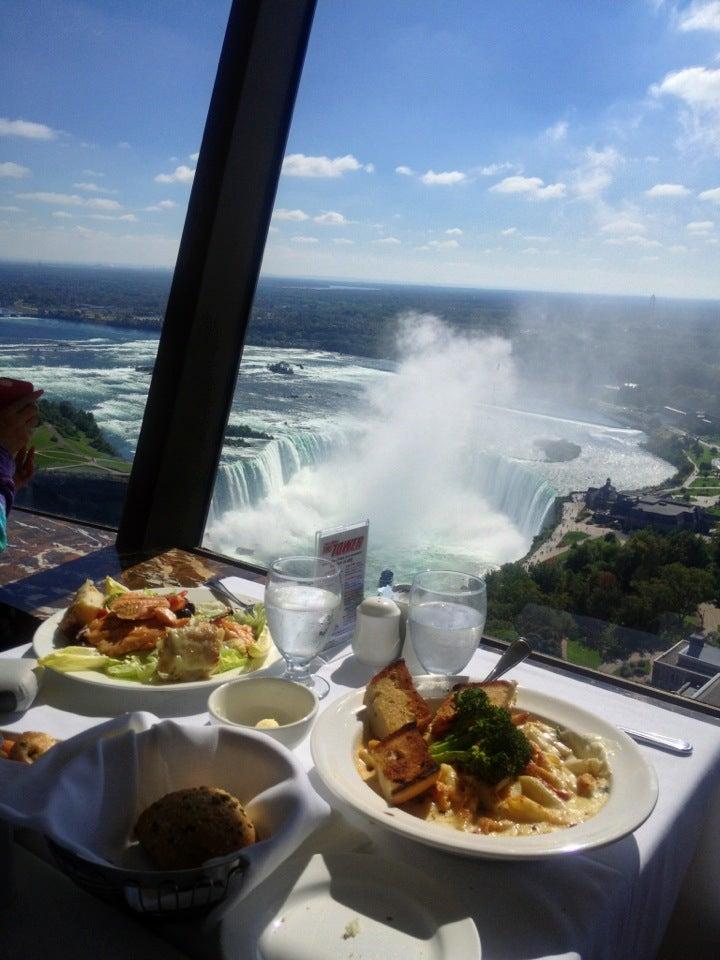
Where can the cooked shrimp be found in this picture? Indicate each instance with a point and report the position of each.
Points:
(138, 606)
(115, 637)
(237, 635)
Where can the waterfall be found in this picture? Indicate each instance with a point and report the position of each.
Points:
(519, 493)
(248, 480)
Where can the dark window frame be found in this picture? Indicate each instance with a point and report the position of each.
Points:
(215, 277)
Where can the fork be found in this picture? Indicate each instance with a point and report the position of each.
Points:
(216, 584)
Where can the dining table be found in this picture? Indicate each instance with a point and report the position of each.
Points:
(608, 903)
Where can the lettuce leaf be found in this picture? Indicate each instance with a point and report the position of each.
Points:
(230, 658)
(134, 666)
(69, 659)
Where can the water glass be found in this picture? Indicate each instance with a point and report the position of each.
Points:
(446, 617)
(302, 600)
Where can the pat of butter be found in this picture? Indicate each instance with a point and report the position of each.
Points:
(268, 723)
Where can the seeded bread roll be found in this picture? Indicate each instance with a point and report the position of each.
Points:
(185, 828)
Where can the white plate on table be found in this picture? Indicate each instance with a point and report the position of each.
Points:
(338, 733)
(48, 638)
(352, 906)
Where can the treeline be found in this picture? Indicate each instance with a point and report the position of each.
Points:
(616, 598)
(72, 422)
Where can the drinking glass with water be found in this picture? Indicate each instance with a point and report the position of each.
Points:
(302, 600)
(446, 618)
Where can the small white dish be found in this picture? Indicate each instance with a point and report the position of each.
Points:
(352, 905)
(245, 702)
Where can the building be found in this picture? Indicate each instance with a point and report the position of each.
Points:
(638, 513)
(690, 668)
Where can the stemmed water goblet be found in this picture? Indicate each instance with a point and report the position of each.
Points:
(446, 617)
(302, 599)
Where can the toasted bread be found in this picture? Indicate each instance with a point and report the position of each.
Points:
(393, 702)
(404, 767)
(501, 693)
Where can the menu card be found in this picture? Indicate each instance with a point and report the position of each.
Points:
(347, 547)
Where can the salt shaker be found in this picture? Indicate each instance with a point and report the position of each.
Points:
(376, 640)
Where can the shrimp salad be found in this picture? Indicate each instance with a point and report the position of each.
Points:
(152, 638)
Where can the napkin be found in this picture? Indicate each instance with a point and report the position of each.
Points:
(87, 792)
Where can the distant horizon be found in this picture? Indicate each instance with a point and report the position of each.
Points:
(367, 282)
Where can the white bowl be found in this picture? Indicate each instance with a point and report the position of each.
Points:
(244, 702)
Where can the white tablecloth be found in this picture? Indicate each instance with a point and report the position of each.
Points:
(611, 903)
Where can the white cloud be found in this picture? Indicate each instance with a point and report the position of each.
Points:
(70, 200)
(454, 232)
(557, 132)
(596, 173)
(10, 209)
(282, 213)
(623, 225)
(667, 190)
(536, 239)
(530, 250)
(304, 239)
(633, 240)
(102, 203)
(446, 178)
(388, 241)
(509, 231)
(300, 165)
(162, 205)
(405, 171)
(26, 129)
(124, 145)
(331, 218)
(181, 174)
(443, 244)
(194, 157)
(493, 168)
(678, 248)
(342, 241)
(701, 16)
(13, 170)
(369, 168)
(713, 195)
(92, 188)
(92, 173)
(129, 217)
(61, 215)
(59, 199)
(700, 227)
(696, 86)
(532, 187)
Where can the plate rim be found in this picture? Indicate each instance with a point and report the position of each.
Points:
(331, 762)
(43, 643)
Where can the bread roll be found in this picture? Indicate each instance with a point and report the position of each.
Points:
(185, 828)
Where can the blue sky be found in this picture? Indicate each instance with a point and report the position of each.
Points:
(560, 146)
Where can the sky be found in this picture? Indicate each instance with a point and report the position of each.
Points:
(524, 145)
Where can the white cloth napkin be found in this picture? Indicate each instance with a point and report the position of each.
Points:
(87, 792)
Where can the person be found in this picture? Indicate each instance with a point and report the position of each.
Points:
(18, 419)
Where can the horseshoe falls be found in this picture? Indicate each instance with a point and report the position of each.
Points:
(435, 450)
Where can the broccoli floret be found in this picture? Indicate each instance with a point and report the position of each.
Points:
(483, 739)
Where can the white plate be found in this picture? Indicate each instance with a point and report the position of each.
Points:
(352, 905)
(633, 793)
(48, 638)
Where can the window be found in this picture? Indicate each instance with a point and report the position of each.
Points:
(489, 286)
(96, 168)
(555, 185)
